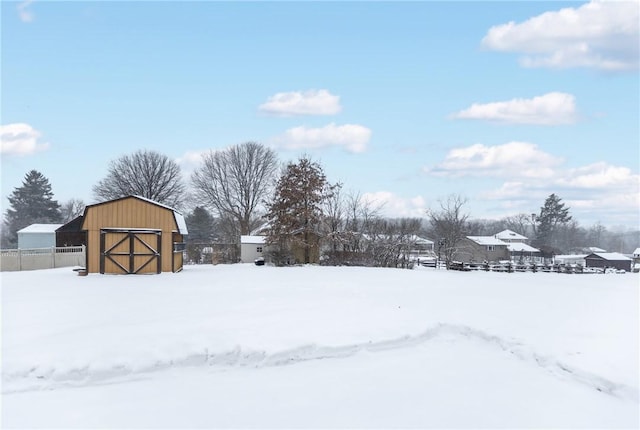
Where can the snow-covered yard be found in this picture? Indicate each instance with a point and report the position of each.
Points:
(249, 346)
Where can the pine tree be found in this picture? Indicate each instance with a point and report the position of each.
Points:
(200, 224)
(296, 209)
(553, 214)
(29, 204)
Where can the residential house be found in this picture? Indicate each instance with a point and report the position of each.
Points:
(477, 249)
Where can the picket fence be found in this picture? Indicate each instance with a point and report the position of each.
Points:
(42, 258)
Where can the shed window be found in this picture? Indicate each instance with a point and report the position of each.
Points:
(259, 249)
(491, 248)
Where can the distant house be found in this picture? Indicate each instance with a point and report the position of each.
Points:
(636, 260)
(38, 236)
(477, 249)
(251, 247)
(522, 252)
(609, 259)
(421, 247)
(519, 250)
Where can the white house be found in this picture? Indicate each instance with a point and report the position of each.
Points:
(38, 236)
(251, 247)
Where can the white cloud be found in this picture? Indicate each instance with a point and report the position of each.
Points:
(597, 191)
(20, 139)
(312, 102)
(600, 176)
(24, 14)
(600, 34)
(550, 109)
(190, 160)
(392, 205)
(513, 159)
(352, 137)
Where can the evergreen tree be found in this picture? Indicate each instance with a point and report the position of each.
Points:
(553, 214)
(29, 204)
(296, 209)
(200, 224)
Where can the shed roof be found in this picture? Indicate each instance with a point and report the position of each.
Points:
(636, 252)
(252, 239)
(180, 221)
(74, 225)
(610, 256)
(40, 228)
(486, 240)
(510, 235)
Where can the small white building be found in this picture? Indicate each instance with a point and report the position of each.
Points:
(38, 236)
(251, 247)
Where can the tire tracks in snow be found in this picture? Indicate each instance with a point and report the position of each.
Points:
(37, 379)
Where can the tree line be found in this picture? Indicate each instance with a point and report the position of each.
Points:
(239, 189)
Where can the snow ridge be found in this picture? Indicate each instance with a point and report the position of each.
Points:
(38, 378)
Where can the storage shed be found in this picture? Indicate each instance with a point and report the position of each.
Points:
(38, 236)
(71, 234)
(251, 247)
(133, 235)
(608, 259)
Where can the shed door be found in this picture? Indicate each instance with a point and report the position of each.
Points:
(130, 251)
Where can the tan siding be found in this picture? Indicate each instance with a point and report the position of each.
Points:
(129, 213)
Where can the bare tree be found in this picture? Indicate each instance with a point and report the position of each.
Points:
(449, 226)
(519, 223)
(71, 209)
(144, 173)
(234, 182)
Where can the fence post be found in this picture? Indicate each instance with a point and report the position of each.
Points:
(53, 257)
(19, 259)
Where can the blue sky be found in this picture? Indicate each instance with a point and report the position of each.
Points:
(406, 103)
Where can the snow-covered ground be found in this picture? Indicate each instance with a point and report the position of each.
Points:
(248, 346)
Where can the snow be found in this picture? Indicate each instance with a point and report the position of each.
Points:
(259, 346)
(521, 247)
(486, 240)
(507, 235)
(612, 256)
(40, 228)
(253, 239)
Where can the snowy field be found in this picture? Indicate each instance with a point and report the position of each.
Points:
(319, 347)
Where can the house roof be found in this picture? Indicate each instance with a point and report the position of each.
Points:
(180, 222)
(596, 249)
(610, 256)
(487, 240)
(510, 235)
(259, 240)
(636, 252)
(421, 240)
(40, 228)
(521, 247)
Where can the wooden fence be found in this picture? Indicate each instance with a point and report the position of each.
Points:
(42, 258)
